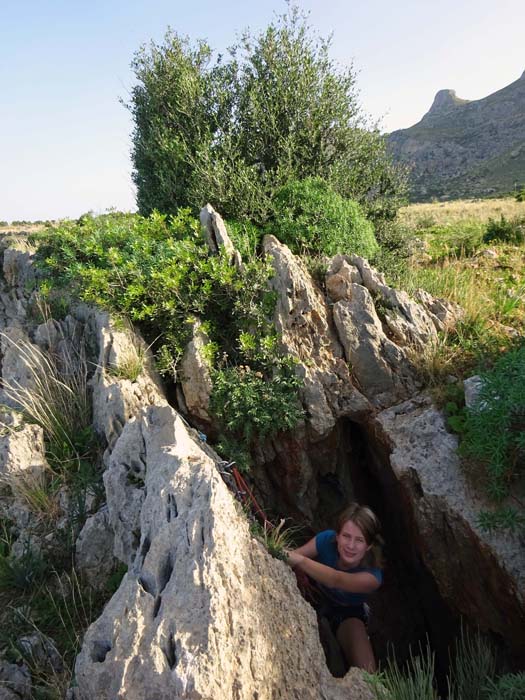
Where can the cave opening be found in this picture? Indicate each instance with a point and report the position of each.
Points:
(408, 613)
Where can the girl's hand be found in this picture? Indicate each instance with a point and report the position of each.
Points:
(293, 558)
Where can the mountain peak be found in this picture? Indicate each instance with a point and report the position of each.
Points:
(444, 101)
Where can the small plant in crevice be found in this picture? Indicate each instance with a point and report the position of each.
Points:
(131, 363)
(511, 686)
(22, 573)
(277, 539)
(471, 663)
(471, 673)
(414, 682)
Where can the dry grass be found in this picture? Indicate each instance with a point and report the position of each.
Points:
(57, 397)
(461, 210)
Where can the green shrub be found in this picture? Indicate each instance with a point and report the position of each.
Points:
(396, 246)
(310, 217)
(251, 405)
(508, 687)
(495, 427)
(505, 231)
(157, 273)
(520, 196)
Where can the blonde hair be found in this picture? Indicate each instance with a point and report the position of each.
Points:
(368, 522)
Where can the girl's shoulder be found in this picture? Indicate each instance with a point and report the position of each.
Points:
(325, 544)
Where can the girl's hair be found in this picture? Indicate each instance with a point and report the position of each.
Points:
(368, 522)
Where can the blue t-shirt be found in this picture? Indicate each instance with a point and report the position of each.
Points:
(327, 554)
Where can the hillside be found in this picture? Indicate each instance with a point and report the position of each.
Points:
(464, 148)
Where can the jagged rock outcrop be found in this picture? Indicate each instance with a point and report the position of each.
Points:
(480, 575)
(118, 397)
(203, 611)
(464, 148)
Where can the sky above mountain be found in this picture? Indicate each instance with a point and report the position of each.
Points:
(65, 137)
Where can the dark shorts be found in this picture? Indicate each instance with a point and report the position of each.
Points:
(335, 614)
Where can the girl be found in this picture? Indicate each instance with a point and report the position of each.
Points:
(346, 565)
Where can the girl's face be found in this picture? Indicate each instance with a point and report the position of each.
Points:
(351, 545)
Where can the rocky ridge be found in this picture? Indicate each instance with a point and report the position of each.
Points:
(463, 148)
(203, 610)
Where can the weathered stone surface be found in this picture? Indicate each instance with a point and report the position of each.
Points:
(472, 387)
(380, 368)
(116, 399)
(195, 376)
(16, 278)
(409, 322)
(94, 550)
(15, 352)
(41, 650)
(22, 448)
(15, 681)
(480, 575)
(340, 276)
(204, 611)
(302, 318)
(216, 235)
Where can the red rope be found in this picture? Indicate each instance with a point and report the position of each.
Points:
(243, 486)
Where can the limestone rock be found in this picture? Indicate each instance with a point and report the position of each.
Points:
(408, 321)
(15, 681)
(472, 387)
(195, 376)
(15, 346)
(117, 398)
(203, 611)
(381, 369)
(22, 449)
(16, 279)
(216, 235)
(480, 575)
(41, 651)
(303, 320)
(94, 550)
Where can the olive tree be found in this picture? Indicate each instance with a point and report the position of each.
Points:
(233, 130)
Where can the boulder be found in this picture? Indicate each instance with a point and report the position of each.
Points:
(216, 235)
(380, 368)
(94, 550)
(203, 611)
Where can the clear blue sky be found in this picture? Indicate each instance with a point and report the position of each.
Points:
(64, 64)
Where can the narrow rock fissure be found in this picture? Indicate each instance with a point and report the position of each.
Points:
(408, 610)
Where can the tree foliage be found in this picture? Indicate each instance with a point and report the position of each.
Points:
(234, 130)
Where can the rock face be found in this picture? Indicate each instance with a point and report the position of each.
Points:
(462, 148)
(203, 611)
(480, 575)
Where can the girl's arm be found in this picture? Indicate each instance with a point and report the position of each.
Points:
(309, 549)
(361, 582)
